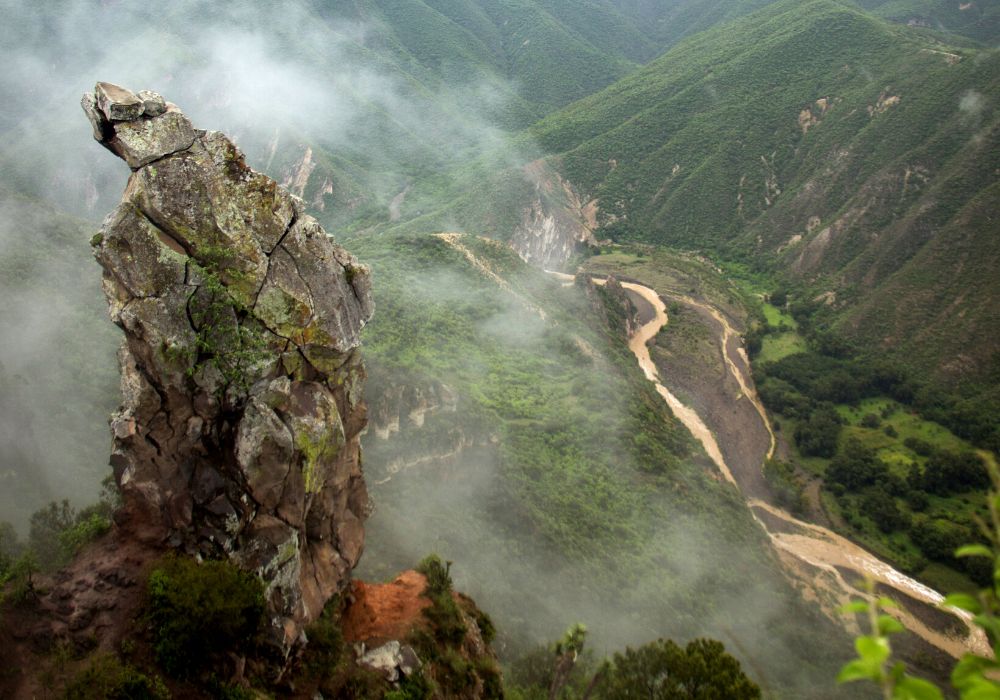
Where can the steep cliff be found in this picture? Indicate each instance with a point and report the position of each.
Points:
(238, 434)
(555, 223)
(237, 440)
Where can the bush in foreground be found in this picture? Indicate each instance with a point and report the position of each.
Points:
(201, 611)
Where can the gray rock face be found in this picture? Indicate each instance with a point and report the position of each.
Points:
(138, 128)
(152, 102)
(238, 434)
(117, 103)
(391, 660)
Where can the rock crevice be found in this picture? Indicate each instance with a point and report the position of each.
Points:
(238, 434)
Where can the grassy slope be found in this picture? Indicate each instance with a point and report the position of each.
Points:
(588, 487)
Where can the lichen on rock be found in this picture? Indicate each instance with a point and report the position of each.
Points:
(238, 433)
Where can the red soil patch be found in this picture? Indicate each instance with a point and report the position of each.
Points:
(385, 611)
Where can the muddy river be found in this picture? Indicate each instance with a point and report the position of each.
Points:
(830, 565)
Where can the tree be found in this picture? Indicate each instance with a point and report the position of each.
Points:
(974, 676)
(882, 508)
(856, 466)
(938, 539)
(568, 651)
(47, 524)
(947, 473)
(817, 435)
(10, 548)
(662, 670)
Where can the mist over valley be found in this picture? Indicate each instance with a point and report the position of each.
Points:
(685, 323)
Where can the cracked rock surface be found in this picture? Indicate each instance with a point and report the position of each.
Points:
(238, 435)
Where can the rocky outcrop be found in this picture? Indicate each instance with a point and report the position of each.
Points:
(555, 224)
(399, 405)
(238, 435)
(386, 623)
(612, 303)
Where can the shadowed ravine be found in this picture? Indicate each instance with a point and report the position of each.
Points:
(812, 555)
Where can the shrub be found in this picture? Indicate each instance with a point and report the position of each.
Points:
(59, 531)
(107, 678)
(817, 435)
(662, 669)
(413, 687)
(16, 582)
(870, 420)
(87, 529)
(856, 467)
(486, 627)
(443, 613)
(326, 641)
(200, 611)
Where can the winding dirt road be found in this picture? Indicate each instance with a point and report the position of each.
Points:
(813, 555)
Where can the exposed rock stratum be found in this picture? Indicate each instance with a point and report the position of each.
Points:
(238, 434)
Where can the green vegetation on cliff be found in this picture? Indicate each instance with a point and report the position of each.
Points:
(564, 470)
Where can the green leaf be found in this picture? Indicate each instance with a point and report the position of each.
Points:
(887, 603)
(962, 601)
(859, 670)
(873, 649)
(974, 550)
(983, 690)
(855, 606)
(969, 671)
(889, 625)
(910, 688)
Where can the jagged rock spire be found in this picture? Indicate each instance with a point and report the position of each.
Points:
(238, 434)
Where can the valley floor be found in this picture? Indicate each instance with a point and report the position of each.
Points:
(697, 354)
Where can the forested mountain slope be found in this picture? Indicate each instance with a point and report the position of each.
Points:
(811, 137)
(979, 19)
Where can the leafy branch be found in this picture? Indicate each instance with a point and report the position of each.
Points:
(875, 651)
